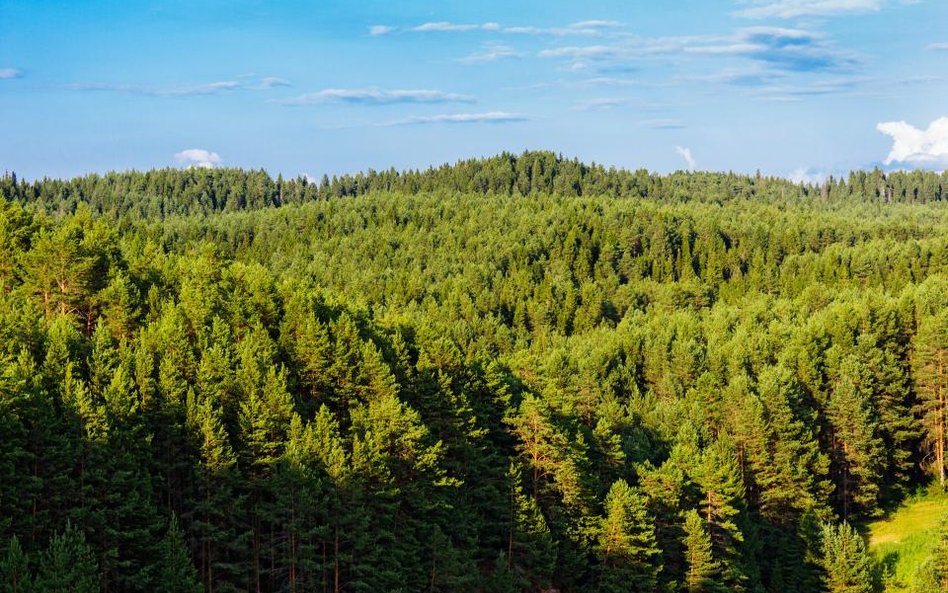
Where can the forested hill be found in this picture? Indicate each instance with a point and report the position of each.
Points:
(511, 375)
(166, 192)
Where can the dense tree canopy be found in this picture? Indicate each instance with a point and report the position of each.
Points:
(511, 374)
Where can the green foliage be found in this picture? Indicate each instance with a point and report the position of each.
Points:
(518, 373)
(176, 574)
(15, 574)
(626, 543)
(703, 570)
(68, 566)
(845, 559)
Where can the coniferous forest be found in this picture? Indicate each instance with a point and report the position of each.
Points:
(514, 374)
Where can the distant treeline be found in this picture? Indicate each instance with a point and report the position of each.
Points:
(166, 192)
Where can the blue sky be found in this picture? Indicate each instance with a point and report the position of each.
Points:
(798, 88)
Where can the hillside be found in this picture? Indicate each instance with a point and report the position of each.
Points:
(465, 391)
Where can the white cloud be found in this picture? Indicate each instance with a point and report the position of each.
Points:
(198, 157)
(377, 96)
(807, 176)
(772, 50)
(588, 28)
(943, 46)
(494, 117)
(595, 24)
(308, 178)
(376, 30)
(10, 73)
(210, 88)
(268, 83)
(913, 146)
(447, 27)
(491, 53)
(585, 52)
(685, 153)
(791, 9)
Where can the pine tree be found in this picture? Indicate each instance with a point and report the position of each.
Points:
(15, 570)
(176, 573)
(219, 524)
(703, 570)
(626, 543)
(857, 448)
(930, 374)
(59, 270)
(719, 478)
(68, 566)
(847, 563)
(531, 551)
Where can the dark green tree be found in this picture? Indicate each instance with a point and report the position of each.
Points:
(626, 546)
(847, 564)
(68, 565)
(15, 574)
(176, 573)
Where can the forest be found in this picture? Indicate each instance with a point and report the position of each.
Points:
(512, 374)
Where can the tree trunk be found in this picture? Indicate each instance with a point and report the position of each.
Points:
(336, 559)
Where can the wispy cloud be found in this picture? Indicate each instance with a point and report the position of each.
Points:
(10, 73)
(492, 117)
(846, 85)
(198, 157)
(664, 124)
(917, 147)
(794, 50)
(586, 52)
(753, 76)
(491, 52)
(685, 153)
(376, 30)
(610, 81)
(447, 27)
(590, 28)
(602, 104)
(587, 28)
(774, 50)
(792, 9)
(942, 46)
(377, 96)
(211, 88)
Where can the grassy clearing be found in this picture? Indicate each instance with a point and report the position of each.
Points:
(902, 541)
